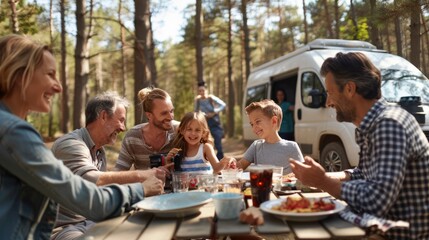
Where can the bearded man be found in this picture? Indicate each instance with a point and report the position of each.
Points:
(153, 137)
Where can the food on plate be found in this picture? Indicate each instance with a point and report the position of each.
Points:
(305, 205)
(289, 178)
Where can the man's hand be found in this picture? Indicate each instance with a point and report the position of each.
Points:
(153, 186)
(252, 216)
(166, 169)
(146, 174)
(310, 172)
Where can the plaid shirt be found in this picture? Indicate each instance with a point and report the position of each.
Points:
(392, 178)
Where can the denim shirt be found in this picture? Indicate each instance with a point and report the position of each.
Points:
(31, 179)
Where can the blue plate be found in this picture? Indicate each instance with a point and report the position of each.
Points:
(174, 204)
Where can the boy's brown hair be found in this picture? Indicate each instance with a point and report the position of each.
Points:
(269, 109)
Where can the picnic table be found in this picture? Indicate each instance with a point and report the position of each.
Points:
(143, 225)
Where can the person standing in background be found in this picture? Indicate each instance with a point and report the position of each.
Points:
(211, 106)
(286, 127)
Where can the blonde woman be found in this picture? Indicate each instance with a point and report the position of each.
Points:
(32, 179)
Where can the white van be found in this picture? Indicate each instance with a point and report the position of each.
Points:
(317, 131)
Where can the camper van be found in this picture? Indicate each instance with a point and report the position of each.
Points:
(316, 129)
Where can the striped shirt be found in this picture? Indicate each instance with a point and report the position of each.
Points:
(135, 151)
(197, 164)
(392, 178)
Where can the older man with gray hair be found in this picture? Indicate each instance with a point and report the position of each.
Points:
(82, 151)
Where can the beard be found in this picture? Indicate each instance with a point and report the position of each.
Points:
(346, 112)
(163, 125)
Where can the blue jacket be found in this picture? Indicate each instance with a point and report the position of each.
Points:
(32, 179)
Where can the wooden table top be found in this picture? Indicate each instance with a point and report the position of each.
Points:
(141, 225)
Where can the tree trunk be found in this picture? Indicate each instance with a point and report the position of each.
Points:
(140, 80)
(63, 71)
(150, 48)
(328, 19)
(415, 33)
(247, 56)
(387, 34)
(398, 33)
(375, 38)
(99, 74)
(304, 9)
(354, 20)
(51, 37)
(337, 20)
(14, 16)
(282, 50)
(426, 40)
(199, 41)
(231, 95)
(123, 59)
(82, 65)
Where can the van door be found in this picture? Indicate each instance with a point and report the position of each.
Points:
(309, 112)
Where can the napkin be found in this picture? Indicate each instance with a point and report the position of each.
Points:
(368, 221)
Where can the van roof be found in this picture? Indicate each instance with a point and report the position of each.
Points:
(321, 43)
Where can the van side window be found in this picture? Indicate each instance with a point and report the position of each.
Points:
(312, 91)
(255, 94)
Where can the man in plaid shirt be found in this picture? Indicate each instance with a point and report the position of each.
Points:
(392, 178)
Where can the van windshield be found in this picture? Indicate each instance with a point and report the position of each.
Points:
(399, 83)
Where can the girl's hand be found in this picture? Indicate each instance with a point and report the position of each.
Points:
(171, 154)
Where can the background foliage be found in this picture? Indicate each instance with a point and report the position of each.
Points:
(276, 27)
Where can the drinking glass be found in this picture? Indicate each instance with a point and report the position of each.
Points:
(231, 180)
(208, 182)
(180, 181)
(277, 178)
(261, 178)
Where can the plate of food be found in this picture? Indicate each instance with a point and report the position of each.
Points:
(175, 204)
(301, 209)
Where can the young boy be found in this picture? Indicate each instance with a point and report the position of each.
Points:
(265, 118)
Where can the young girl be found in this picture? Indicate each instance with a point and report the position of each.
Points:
(193, 140)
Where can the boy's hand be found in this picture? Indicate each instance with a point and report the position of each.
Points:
(228, 162)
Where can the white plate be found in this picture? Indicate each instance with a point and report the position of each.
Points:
(299, 217)
(175, 204)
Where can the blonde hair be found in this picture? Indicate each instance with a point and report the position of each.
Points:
(147, 95)
(20, 57)
(179, 139)
(269, 109)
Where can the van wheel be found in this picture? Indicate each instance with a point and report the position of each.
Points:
(334, 158)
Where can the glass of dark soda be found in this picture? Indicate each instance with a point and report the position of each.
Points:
(261, 177)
